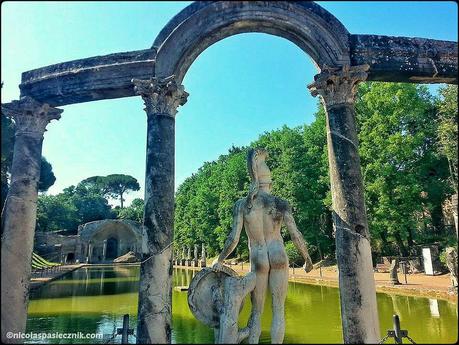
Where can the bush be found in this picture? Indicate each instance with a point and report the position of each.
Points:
(294, 256)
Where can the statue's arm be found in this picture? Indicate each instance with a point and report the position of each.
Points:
(233, 238)
(298, 240)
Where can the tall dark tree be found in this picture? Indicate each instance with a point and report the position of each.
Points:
(447, 130)
(404, 177)
(118, 185)
(113, 186)
(47, 177)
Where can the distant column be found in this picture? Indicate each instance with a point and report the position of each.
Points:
(188, 257)
(195, 261)
(454, 203)
(183, 261)
(20, 209)
(203, 256)
(359, 313)
(90, 248)
(177, 257)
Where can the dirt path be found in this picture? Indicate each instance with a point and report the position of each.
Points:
(417, 284)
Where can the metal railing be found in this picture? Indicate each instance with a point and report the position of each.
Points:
(124, 331)
(396, 333)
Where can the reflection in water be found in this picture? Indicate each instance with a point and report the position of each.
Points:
(93, 300)
(433, 305)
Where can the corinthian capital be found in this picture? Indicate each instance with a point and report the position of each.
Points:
(161, 96)
(30, 116)
(338, 85)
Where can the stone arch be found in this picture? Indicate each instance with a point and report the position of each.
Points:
(198, 26)
(110, 238)
(112, 248)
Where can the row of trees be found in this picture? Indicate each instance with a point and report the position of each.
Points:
(408, 147)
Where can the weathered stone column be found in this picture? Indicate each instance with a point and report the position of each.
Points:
(162, 97)
(19, 212)
(359, 315)
(393, 271)
(183, 261)
(188, 257)
(90, 252)
(203, 256)
(195, 261)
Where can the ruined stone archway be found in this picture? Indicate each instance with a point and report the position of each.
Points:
(155, 74)
(313, 29)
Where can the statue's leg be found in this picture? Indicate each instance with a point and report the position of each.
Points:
(258, 297)
(278, 284)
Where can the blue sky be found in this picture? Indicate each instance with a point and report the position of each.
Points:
(239, 88)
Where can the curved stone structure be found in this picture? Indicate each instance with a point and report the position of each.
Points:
(155, 74)
(105, 240)
(313, 29)
(310, 27)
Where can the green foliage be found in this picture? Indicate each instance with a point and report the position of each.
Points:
(72, 207)
(47, 177)
(133, 212)
(294, 256)
(204, 202)
(447, 129)
(404, 177)
(113, 186)
(406, 141)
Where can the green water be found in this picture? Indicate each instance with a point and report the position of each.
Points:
(93, 300)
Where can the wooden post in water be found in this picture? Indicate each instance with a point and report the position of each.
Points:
(125, 331)
(397, 331)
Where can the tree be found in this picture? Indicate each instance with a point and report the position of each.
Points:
(114, 186)
(405, 175)
(133, 211)
(447, 129)
(404, 178)
(47, 177)
(119, 184)
(74, 206)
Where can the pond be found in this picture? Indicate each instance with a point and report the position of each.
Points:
(94, 299)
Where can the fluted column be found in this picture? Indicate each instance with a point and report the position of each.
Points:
(162, 97)
(359, 315)
(19, 212)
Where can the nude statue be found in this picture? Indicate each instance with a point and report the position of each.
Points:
(262, 215)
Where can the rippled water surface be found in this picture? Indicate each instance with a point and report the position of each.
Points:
(94, 299)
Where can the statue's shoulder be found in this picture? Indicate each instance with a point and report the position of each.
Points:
(282, 205)
(239, 205)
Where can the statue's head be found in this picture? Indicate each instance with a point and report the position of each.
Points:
(259, 172)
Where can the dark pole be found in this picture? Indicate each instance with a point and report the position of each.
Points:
(125, 331)
(397, 334)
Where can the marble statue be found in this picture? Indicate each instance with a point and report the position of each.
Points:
(216, 297)
(262, 215)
